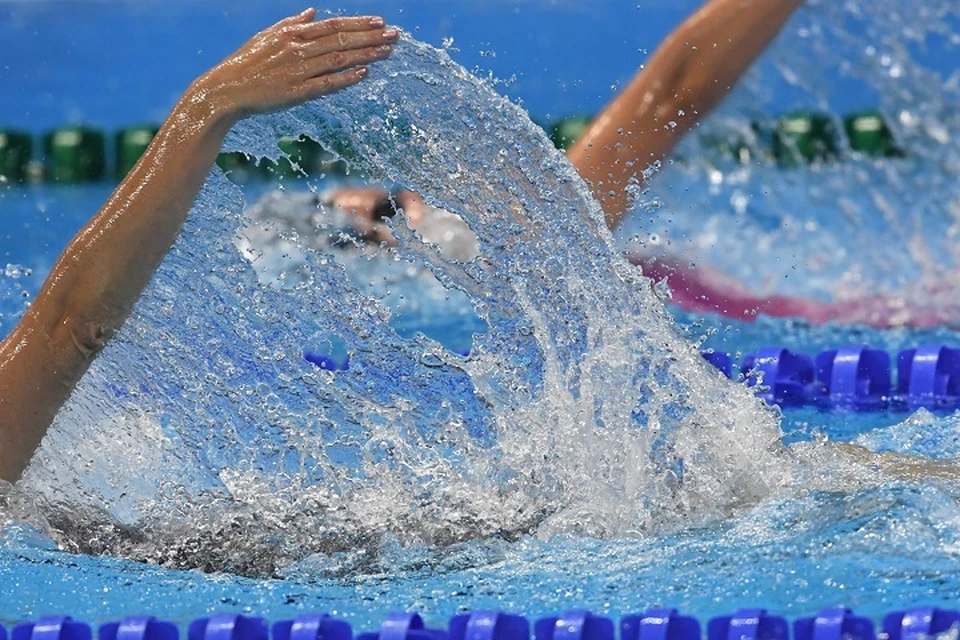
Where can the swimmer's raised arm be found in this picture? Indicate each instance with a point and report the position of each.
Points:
(101, 273)
(685, 78)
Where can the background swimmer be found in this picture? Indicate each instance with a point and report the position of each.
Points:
(684, 80)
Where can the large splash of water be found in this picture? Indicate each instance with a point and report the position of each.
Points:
(202, 436)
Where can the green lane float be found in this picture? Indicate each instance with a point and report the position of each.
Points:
(804, 138)
(305, 157)
(131, 143)
(75, 154)
(16, 150)
(302, 158)
(239, 167)
(869, 134)
(735, 146)
(565, 132)
(345, 160)
(741, 151)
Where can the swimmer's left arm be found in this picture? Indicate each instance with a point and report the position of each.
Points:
(101, 273)
(685, 78)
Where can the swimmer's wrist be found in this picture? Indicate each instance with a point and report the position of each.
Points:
(206, 103)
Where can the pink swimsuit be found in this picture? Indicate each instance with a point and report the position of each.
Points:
(704, 290)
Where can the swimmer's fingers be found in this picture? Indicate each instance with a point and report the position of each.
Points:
(343, 60)
(331, 82)
(347, 41)
(334, 26)
(305, 16)
(273, 70)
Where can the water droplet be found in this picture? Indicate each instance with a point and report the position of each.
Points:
(430, 359)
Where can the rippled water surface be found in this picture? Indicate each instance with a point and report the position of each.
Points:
(582, 453)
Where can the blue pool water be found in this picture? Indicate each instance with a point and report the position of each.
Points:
(540, 472)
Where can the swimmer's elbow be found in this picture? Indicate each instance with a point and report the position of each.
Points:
(79, 310)
(85, 335)
(90, 338)
(688, 87)
(691, 97)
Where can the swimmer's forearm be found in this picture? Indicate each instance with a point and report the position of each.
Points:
(685, 78)
(103, 270)
(113, 258)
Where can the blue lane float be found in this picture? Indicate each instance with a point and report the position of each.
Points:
(917, 624)
(228, 627)
(52, 628)
(838, 623)
(574, 625)
(139, 628)
(311, 626)
(489, 625)
(748, 623)
(929, 376)
(779, 375)
(659, 624)
(721, 361)
(851, 377)
(848, 377)
(328, 363)
(835, 623)
(404, 626)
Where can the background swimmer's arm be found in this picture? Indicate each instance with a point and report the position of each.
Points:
(92, 287)
(685, 78)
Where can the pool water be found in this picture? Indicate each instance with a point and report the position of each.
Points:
(541, 471)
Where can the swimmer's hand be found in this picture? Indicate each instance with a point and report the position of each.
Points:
(295, 60)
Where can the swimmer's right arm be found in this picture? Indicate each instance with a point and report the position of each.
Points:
(101, 273)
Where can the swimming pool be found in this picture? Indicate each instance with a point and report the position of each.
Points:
(791, 539)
